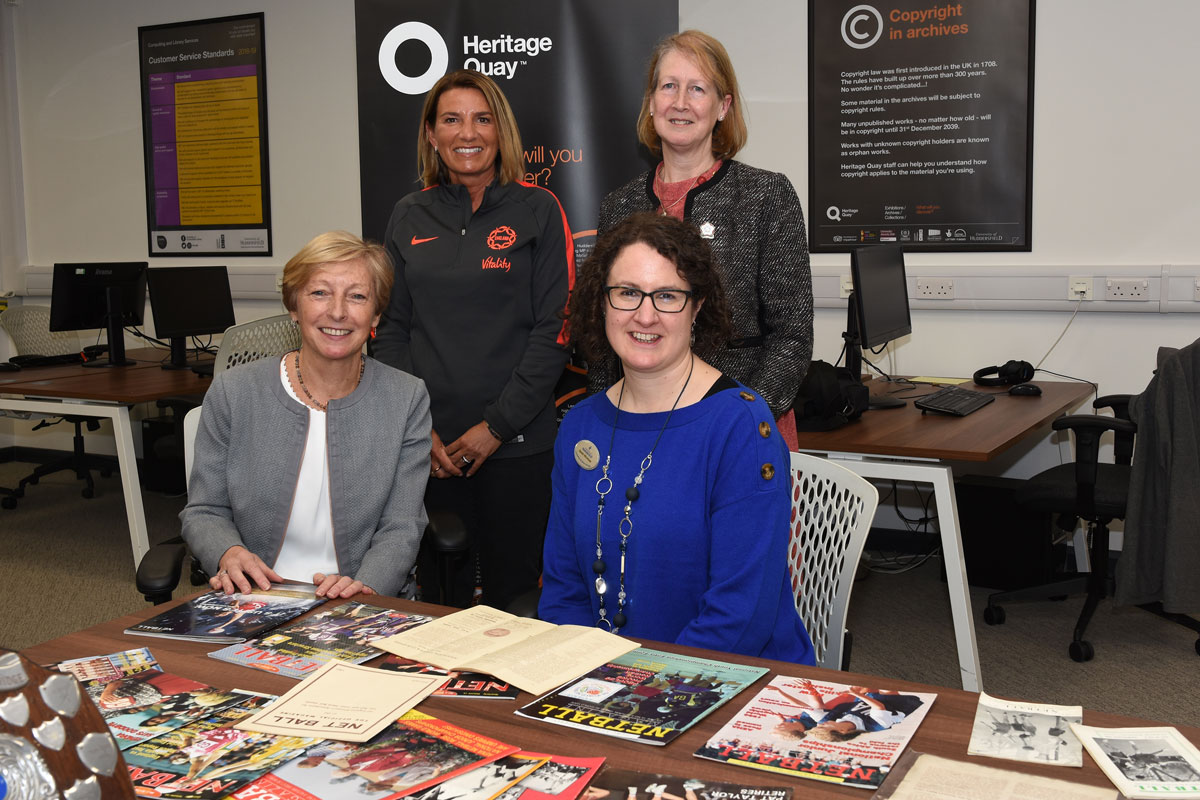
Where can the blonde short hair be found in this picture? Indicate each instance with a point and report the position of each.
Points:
(729, 135)
(336, 247)
(511, 159)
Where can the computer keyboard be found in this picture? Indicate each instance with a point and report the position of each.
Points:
(953, 400)
(30, 360)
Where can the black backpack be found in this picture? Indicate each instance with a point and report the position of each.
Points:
(828, 398)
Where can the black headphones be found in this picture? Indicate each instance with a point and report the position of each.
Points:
(1008, 374)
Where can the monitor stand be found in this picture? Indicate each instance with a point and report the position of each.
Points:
(854, 360)
(178, 354)
(116, 332)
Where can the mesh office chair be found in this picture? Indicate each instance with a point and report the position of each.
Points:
(29, 328)
(250, 341)
(832, 510)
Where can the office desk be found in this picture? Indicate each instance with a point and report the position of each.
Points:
(104, 392)
(945, 731)
(905, 445)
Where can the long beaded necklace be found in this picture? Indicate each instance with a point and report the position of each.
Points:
(625, 527)
(362, 367)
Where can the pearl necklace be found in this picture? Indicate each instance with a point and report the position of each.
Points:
(362, 367)
(625, 527)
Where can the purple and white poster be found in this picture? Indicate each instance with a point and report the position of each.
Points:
(204, 128)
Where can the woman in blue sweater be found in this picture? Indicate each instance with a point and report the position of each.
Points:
(671, 502)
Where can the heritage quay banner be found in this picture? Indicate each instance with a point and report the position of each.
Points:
(204, 131)
(573, 71)
(921, 124)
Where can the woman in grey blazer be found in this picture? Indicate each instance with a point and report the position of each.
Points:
(312, 466)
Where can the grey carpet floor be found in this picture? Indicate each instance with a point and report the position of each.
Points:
(66, 563)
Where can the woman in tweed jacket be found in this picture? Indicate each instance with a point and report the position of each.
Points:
(692, 116)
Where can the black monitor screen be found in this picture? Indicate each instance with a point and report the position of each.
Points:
(79, 298)
(880, 294)
(190, 301)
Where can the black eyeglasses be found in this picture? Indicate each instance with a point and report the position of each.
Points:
(627, 298)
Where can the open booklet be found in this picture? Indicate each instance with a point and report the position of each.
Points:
(1144, 762)
(530, 653)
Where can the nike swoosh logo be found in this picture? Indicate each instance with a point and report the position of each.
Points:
(415, 240)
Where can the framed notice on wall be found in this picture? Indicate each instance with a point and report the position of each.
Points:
(921, 125)
(204, 128)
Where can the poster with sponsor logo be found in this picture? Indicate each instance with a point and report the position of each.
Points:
(204, 132)
(921, 125)
(572, 70)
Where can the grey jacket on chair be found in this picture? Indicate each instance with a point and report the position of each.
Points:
(1160, 557)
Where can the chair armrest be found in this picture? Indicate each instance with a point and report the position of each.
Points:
(1087, 429)
(159, 570)
(446, 533)
(1123, 445)
(1119, 403)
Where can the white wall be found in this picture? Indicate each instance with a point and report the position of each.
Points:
(1114, 170)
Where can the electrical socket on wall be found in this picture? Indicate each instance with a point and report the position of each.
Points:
(847, 286)
(1137, 289)
(935, 288)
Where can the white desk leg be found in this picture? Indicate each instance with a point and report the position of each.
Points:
(956, 580)
(123, 433)
(942, 479)
(135, 513)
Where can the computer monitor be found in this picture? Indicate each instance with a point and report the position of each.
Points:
(107, 295)
(189, 301)
(877, 311)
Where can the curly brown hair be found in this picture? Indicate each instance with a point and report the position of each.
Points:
(677, 241)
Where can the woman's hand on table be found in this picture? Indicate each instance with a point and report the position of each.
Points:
(470, 450)
(242, 571)
(335, 586)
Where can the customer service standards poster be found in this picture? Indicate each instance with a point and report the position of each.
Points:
(920, 124)
(573, 71)
(204, 127)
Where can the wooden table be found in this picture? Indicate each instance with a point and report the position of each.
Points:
(945, 731)
(903, 444)
(104, 392)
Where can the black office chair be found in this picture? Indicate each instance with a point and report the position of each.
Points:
(29, 328)
(1084, 489)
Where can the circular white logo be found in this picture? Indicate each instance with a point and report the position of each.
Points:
(439, 57)
(852, 24)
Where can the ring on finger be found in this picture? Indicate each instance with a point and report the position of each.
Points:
(466, 460)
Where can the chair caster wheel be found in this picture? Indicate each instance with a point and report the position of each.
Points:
(88, 494)
(34, 480)
(993, 615)
(11, 502)
(1081, 651)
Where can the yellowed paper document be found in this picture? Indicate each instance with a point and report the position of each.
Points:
(343, 701)
(533, 655)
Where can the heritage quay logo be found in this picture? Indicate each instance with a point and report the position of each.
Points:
(519, 49)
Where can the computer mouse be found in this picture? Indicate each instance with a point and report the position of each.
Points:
(8, 366)
(1025, 390)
